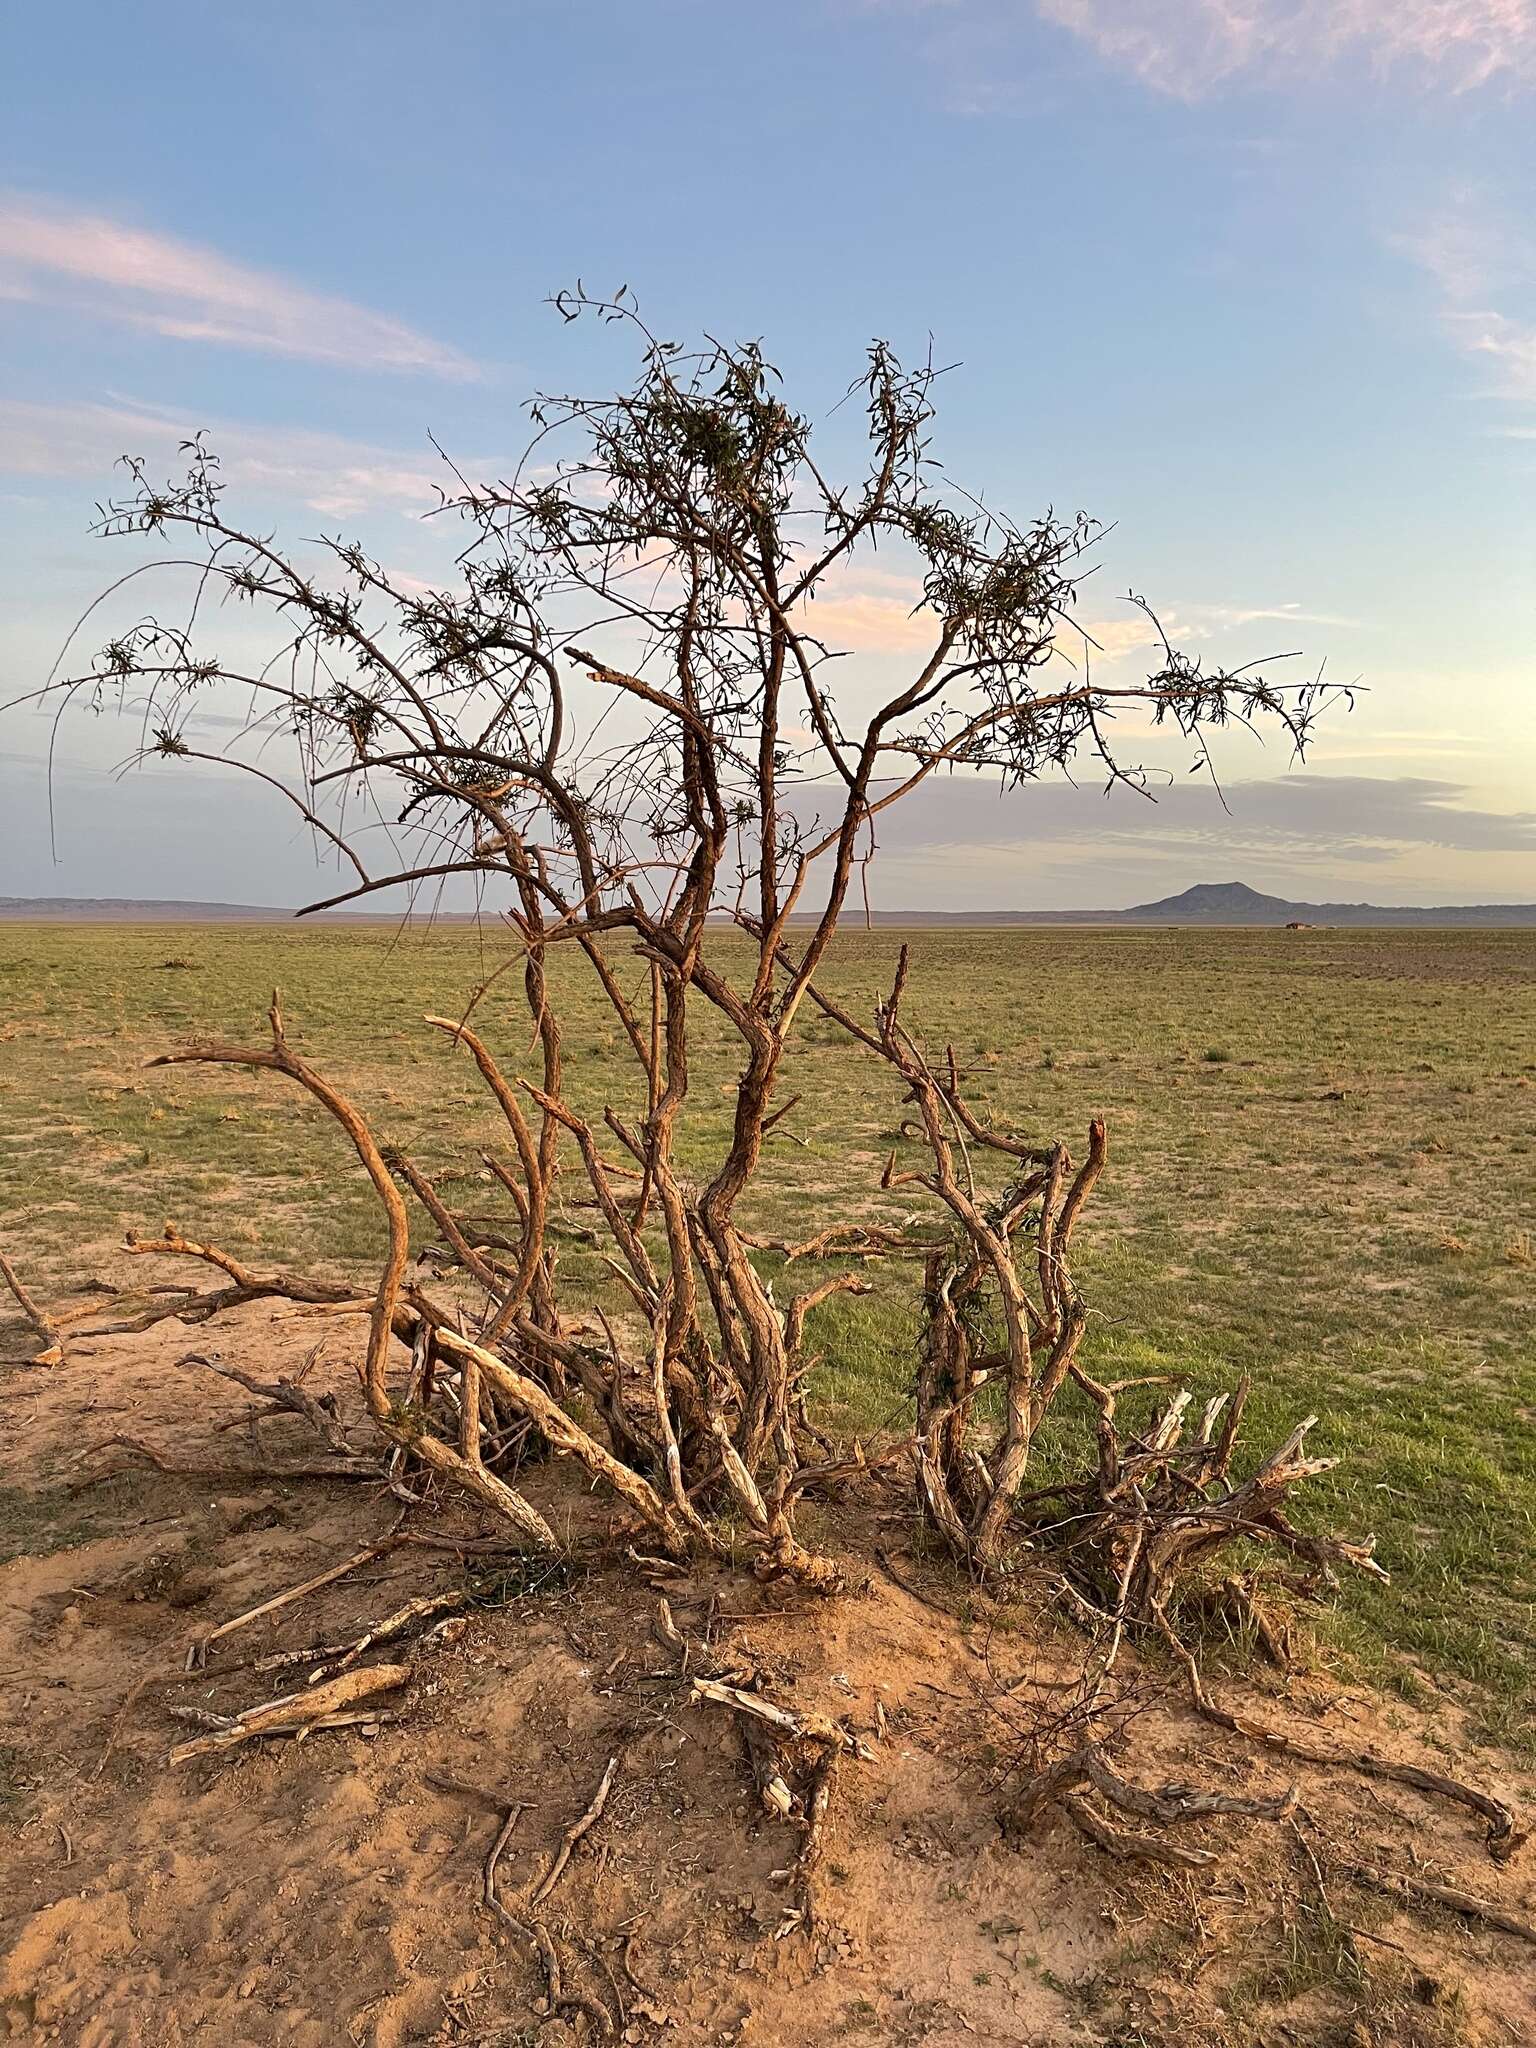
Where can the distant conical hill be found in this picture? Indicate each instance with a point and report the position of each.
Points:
(1236, 903)
(1219, 903)
(1207, 903)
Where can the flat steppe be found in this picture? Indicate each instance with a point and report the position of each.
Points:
(1323, 1171)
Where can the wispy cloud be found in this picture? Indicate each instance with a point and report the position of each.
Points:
(1190, 48)
(1484, 269)
(1290, 612)
(1360, 818)
(89, 263)
(1132, 632)
(324, 472)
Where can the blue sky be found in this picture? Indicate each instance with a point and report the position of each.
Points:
(1260, 288)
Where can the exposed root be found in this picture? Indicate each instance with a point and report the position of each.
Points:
(666, 1631)
(559, 1997)
(1504, 1836)
(1043, 1790)
(297, 1712)
(766, 1761)
(563, 1998)
(43, 1324)
(1176, 1803)
(488, 1892)
(802, 1726)
(574, 1833)
(181, 1468)
(1173, 1805)
(766, 1726)
(1086, 1765)
(1132, 1848)
(1419, 1891)
(818, 1797)
(423, 1608)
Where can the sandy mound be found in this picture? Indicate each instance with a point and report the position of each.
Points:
(329, 1890)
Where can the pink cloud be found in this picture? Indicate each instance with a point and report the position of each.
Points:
(91, 264)
(870, 611)
(324, 472)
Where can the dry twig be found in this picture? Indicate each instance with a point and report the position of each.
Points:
(297, 1712)
(574, 1833)
(197, 1655)
(44, 1324)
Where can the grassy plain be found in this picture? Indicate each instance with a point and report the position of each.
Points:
(1323, 1172)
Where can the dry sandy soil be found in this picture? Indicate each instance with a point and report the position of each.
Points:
(329, 1890)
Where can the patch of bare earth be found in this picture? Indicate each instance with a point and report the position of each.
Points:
(331, 1889)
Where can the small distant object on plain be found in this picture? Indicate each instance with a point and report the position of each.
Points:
(1298, 924)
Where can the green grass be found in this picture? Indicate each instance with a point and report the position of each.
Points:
(1323, 1172)
(13, 1782)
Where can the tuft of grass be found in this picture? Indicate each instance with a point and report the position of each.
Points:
(13, 1781)
(504, 1584)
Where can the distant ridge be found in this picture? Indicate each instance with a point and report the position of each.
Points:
(1207, 903)
(131, 910)
(1234, 903)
